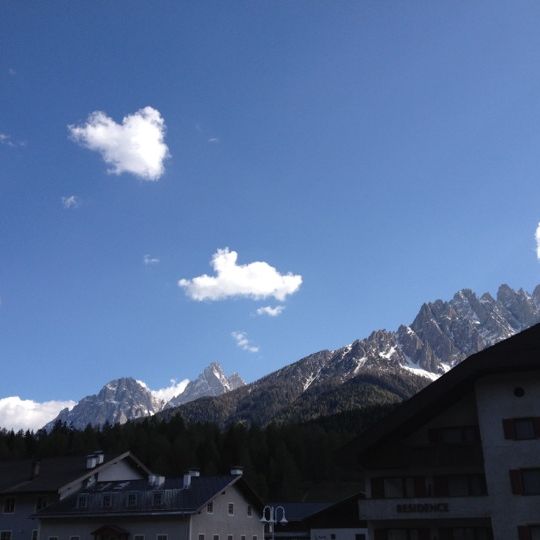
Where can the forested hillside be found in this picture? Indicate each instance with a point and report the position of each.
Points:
(281, 462)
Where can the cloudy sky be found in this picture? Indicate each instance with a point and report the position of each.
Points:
(250, 182)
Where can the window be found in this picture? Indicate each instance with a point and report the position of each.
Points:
(249, 510)
(465, 533)
(459, 485)
(5, 535)
(161, 537)
(359, 537)
(82, 501)
(332, 536)
(53, 537)
(229, 537)
(201, 536)
(531, 481)
(210, 507)
(157, 499)
(131, 500)
(216, 536)
(254, 537)
(243, 537)
(521, 429)
(400, 534)
(534, 532)
(9, 505)
(454, 435)
(41, 503)
(74, 538)
(138, 537)
(231, 509)
(35, 534)
(397, 488)
(107, 500)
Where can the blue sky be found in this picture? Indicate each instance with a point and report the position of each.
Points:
(386, 152)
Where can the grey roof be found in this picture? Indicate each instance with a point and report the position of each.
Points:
(54, 473)
(174, 498)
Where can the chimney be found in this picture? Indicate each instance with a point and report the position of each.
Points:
(35, 468)
(100, 457)
(152, 479)
(91, 461)
(192, 473)
(237, 470)
(160, 480)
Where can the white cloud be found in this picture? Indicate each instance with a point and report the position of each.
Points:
(537, 237)
(149, 260)
(17, 413)
(254, 280)
(166, 394)
(271, 311)
(12, 72)
(213, 140)
(71, 201)
(135, 146)
(243, 342)
(7, 140)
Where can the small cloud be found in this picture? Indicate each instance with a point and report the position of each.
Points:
(213, 140)
(135, 146)
(166, 394)
(271, 311)
(7, 140)
(254, 280)
(71, 201)
(243, 342)
(537, 237)
(12, 72)
(149, 260)
(17, 413)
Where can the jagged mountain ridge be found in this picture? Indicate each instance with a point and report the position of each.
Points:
(126, 399)
(387, 365)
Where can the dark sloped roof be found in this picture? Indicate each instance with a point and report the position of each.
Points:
(54, 473)
(518, 353)
(174, 498)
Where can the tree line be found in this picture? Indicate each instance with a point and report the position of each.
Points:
(281, 462)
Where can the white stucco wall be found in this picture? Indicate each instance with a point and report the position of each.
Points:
(219, 522)
(496, 401)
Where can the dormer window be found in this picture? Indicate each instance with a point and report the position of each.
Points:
(9, 505)
(107, 500)
(82, 501)
(210, 508)
(131, 500)
(157, 498)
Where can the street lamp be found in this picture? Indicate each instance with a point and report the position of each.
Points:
(273, 514)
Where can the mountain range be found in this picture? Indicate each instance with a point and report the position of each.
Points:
(386, 367)
(126, 399)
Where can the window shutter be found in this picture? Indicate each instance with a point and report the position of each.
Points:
(524, 533)
(537, 427)
(377, 488)
(516, 482)
(509, 429)
(440, 486)
(420, 486)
